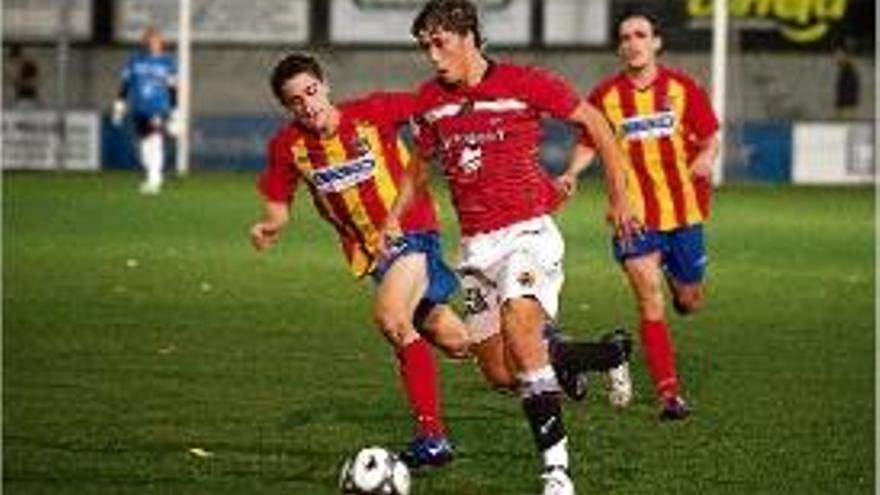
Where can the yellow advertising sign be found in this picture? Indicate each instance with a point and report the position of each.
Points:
(800, 21)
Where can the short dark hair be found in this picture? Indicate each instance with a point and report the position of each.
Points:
(456, 16)
(291, 66)
(645, 13)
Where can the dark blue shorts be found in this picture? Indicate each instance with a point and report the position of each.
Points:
(145, 125)
(682, 251)
(442, 282)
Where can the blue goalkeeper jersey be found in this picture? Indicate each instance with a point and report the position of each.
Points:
(147, 81)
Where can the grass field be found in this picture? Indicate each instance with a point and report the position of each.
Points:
(138, 328)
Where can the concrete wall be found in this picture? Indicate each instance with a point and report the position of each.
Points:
(233, 80)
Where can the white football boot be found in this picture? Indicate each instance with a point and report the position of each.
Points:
(557, 482)
(620, 390)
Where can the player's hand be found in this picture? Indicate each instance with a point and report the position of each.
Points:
(567, 184)
(701, 170)
(119, 109)
(626, 225)
(174, 125)
(264, 235)
(389, 232)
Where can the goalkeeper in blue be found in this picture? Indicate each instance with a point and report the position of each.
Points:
(148, 93)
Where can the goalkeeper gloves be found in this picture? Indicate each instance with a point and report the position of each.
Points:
(119, 108)
(174, 126)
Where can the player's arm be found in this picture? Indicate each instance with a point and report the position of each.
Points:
(277, 185)
(413, 183)
(581, 158)
(614, 161)
(267, 231)
(702, 123)
(119, 105)
(701, 165)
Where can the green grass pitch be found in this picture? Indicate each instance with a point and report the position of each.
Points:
(136, 329)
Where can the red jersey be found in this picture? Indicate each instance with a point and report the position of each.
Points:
(486, 138)
(353, 176)
(659, 127)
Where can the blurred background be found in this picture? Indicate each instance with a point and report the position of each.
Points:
(783, 61)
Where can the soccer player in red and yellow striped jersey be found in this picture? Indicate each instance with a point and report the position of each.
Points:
(352, 159)
(665, 124)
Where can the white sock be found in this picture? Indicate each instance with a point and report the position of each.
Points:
(537, 381)
(153, 158)
(557, 455)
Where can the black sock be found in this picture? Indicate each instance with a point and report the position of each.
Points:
(544, 413)
(587, 356)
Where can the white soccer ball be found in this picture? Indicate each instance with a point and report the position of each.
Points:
(374, 471)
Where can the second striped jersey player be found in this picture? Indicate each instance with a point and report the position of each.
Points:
(351, 159)
(661, 126)
(663, 121)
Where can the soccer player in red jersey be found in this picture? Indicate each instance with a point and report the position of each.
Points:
(480, 120)
(665, 124)
(351, 158)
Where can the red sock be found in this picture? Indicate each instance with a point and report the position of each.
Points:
(418, 371)
(660, 357)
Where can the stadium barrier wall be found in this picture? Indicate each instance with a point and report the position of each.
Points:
(232, 80)
(31, 140)
(760, 151)
(776, 152)
(833, 153)
(217, 143)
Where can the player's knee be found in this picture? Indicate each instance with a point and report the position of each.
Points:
(394, 325)
(688, 303)
(497, 375)
(651, 308)
(452, 346)
(446, 331)
(501, 381)
(456, 351)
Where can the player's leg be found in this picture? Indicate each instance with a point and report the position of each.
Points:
(151, 148)
(514, 340)
(433, 318)
(482, 314)
(583, 356)
(644, 276)
(684, 266)
(687, 298)
(529, 282)
(540, 394)
(570, 358)
(610, 355)
(442, 326)
(495, 363)
(397, 296)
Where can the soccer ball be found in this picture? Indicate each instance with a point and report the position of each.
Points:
(374, 471)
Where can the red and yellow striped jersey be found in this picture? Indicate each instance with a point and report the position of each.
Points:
(354, 176)
(659, 128)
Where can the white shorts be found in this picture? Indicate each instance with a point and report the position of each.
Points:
(520, 260)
